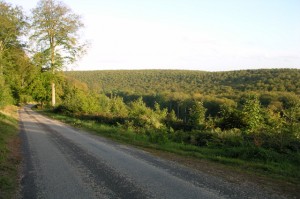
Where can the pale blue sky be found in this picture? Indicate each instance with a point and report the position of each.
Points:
(211, 35)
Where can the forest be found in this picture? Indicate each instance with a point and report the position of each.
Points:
(144, 82)
(250, 115)
(253, 103)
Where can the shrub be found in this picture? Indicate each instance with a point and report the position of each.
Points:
(180, 136)
(231, 138)
(144, 117)
(157, 136)
(201, 138)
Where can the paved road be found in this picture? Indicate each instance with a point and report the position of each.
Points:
(62, 162)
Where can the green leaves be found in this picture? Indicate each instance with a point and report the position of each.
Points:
(55, 30)
(252, 114)
(145, 117)
(40, 88)
(15, 67)
(197, 114)
(13, 24)
(55, 34)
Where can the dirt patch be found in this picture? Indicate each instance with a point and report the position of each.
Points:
(233, 175)
(14, 146)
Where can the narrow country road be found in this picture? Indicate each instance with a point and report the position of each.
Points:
(62, 162)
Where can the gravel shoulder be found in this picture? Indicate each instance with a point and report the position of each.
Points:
(63, 162)
(232, 174)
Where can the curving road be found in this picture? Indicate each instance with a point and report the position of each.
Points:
(63, 162)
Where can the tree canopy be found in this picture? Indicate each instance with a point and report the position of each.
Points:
(15, 66)
(55, 32)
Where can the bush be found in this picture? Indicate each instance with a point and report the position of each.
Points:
(144, 117)
(230, 138)
(157, 136)
(5, 96)
(180, 136)
(62, 109)
(201, 138)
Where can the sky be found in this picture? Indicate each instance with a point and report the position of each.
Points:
(209, 35)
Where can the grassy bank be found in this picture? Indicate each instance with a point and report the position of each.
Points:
(262, 162)
(9, 152)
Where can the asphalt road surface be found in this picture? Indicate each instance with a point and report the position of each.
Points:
(63, 162)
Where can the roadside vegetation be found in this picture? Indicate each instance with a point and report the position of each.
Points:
(28, 70)
(9, 153)
(248, 135)
(246, 118)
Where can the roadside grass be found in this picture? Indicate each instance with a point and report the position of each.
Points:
(9, 152)
(284, 167)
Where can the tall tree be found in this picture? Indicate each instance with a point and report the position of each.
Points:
(55, 30)
(12, 55)
(12, 23)
(197, 114)
(252, 114)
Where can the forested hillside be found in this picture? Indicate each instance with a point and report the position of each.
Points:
(158, 81)
(175, 89)
(251, 115)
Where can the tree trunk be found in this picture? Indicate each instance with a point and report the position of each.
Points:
(185, 113)
(1, 68)
(53, 94)
(178, 114)
(52, 47)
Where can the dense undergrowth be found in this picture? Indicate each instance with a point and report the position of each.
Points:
(9, 157)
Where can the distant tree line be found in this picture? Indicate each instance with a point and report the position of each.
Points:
(145, 82)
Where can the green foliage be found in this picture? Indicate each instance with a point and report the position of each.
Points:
(230, 118)
(143, 116)
(292, 117)
(40, 88)
(5, 96)
(197, 114)
(13, 23)
(171, 119)
(15, 67)
(251, 114)
(176, 90)
(118, 107)
(79, 102)
(55, 34)
(169, 82)
(55, 31)
(157, 136)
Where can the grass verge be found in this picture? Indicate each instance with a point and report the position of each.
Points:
(9, 152)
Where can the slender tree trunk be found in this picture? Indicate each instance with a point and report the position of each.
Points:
(1, 67)
(53, 94)
(178, 116)
(185, 113)
(52, 46)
